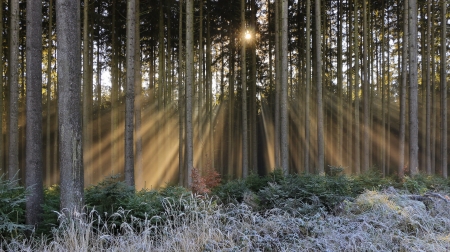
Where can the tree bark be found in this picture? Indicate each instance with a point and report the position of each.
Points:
(318, 75)
(244, 94)
(13, 150)
(189, 84)
(284, 118)
(129, 98)
(443, 90)
(34, 169)
(413, 91)
(69, 67)
(308, 87)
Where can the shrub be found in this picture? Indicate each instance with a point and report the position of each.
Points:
(12, 209)
(108, 195)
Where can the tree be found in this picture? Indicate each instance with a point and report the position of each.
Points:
(129, 99)
(189, 84)
(413, 90)
(34, 163)
(443, 79)
(181, 163)
(365, 89)
(308, 85)
(244, 95)
(69, 92)
(401, 163)
(428, 92)
(13, 155)
(284, 119)
(318, 80)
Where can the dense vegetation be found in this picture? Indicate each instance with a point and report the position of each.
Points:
(270, 213)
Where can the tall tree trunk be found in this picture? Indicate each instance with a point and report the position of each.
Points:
(401, 163)
(277, 143)
(357, 143)
(318, 75)
(209, 89)
(138, 98)
(428, 91)
(308, 87)
(244, 95)
(366, 96)
(13, 155)
(34, 143)
(2, 52)
(200, 106)
(189, 84)
(129, 98)
(69, 67)
(413, 90)
(284, 118)
(253, 99)
(443, 90)
(340, 109)
(181, 163)
(114, 90)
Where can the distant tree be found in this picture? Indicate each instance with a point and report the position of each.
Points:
(69, 92)
(318, 80)
(34, 163)
(443, 75)
(413, 91)
(189, 85)
(87, 95)
(308, 87)
(284, 117)
(13, 155)
(244, 94)
(129, 99)
(402, 133)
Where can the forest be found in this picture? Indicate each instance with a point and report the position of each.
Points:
(313, 114)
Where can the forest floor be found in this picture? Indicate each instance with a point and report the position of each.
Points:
(294, 213)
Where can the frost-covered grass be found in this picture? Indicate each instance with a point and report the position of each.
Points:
(387, 220)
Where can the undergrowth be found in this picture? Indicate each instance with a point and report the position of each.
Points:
(307, 212)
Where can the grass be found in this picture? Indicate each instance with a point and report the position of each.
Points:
(285, 214)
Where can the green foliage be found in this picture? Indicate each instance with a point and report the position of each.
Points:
(50, 209)
(372, 180)
(108, 195)
(255, 182)
(232, 191)
(12, 209)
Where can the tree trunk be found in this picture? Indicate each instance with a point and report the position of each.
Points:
(69, 67)
(34, 143)
(366, 96)
(13, 155)
(318, 75)
(443, 76)
(189, 84)
(129, 98)
(181, 163)
(357, 143)
(244, 95)
(308, 87)
(413, 90)
(428, 91)
(284, 118)
(401, 163)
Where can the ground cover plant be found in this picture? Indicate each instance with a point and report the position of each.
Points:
(304, 212)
